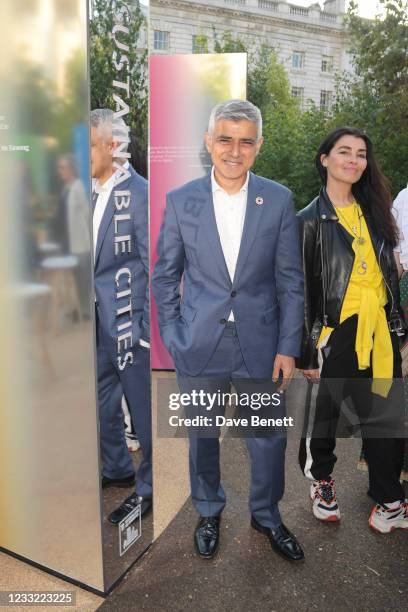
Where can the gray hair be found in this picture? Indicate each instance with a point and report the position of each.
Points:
(236, 110)
(103, 119)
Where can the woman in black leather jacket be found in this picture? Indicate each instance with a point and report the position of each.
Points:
(352, 322)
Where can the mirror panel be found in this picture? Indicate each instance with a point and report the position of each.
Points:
(50, 502)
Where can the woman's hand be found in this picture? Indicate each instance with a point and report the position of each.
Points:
(311, 375)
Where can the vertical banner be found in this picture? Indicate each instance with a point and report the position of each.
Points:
(183, 89)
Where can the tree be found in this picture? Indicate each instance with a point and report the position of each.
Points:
(228, 44)
(287, 153)
(379, 49)
(375, 98)
(103, 73)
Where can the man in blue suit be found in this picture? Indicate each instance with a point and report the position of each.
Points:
(233, 238)
(121, 258)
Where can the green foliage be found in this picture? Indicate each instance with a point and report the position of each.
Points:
(200, 44)
(287, 156)
(36, 94)
(46, 111)
(268, 82)
(374, 98)
(103, 72)
(228, 44)
(290, 138)
(287, 153)
(380, 48)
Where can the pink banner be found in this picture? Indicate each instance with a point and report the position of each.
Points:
(183, 90)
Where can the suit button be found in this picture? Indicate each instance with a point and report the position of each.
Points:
(223, 321)
(233, 293)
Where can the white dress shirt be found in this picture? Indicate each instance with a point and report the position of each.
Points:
(103, 196)
(230, 216)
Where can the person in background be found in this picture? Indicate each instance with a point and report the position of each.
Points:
(75, 216)
(400, 210)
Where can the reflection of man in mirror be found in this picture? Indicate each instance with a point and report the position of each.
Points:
(233, 237)
(120, 230)
(73, 217)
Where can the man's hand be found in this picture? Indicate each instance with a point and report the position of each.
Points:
(286, 365)
(311, 375)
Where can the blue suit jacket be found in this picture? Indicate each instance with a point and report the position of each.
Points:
(137, 261)
(266, 295)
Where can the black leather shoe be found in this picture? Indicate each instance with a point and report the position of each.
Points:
(128, 505)
(207, 535)
(127, 481)
(282, 540)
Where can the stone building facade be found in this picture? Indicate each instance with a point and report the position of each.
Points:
(310, 42)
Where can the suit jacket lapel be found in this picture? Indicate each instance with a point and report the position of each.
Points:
(252, 217)
(107, 217)
(209, 225)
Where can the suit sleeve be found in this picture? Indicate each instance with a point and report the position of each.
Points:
(141, 224)
(169, 268)
(289, 283)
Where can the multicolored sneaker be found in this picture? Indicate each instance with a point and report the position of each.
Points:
(385, 520)
(323, 495)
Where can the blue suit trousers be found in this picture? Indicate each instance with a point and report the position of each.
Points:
(267, 454)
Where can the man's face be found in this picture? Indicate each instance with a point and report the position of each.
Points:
(101, 155)
(64, 170)
(233, 147)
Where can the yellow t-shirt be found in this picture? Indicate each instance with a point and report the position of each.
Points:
(366, 296)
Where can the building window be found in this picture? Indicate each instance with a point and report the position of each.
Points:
(325, 99)
(200, 44)
(298, 59)
(327, 63)
(297, 92)
(161, 40)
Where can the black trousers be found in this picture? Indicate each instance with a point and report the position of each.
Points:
(345, 389)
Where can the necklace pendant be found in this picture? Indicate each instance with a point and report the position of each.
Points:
(362, 268)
